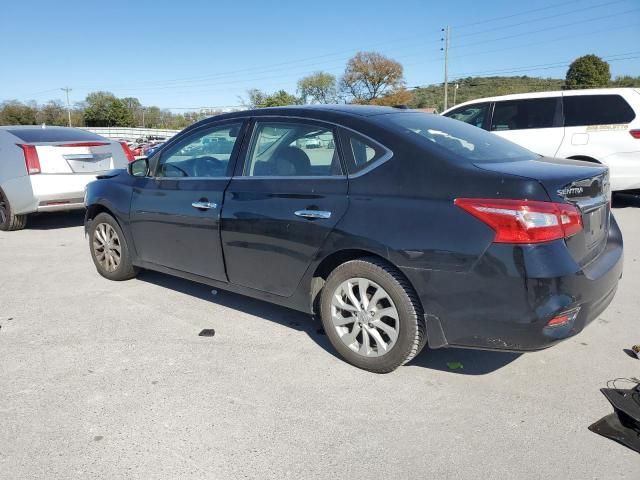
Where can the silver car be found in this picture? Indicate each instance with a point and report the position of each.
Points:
(45, 169)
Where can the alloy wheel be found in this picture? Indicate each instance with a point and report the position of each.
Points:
(106, 247)
(3, 209)
(365, 317)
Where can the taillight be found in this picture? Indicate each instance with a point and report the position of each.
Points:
(31, 159)
(127, 152)
(564, 318)
(635, 133)
(524, 221)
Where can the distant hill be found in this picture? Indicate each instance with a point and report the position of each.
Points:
(478, 87)
(471, 88)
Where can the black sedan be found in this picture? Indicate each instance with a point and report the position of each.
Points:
(399, 228)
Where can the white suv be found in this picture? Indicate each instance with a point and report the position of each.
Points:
(596, 125)
(45, 169)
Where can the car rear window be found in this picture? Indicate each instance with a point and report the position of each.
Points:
(583, 110)
(36, 135)
(458, 140)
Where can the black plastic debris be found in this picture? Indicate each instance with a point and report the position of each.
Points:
(623, 425)
(207, 332)
(619, 428)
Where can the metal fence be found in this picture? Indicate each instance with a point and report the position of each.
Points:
(117, 133)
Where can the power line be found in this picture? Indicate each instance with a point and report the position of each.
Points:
(528, 21)
(611, 58)
(549, 28)
(465, 25)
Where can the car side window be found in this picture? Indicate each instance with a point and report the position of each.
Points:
(292, 149)
(524, 114)
(475, 114)
(364, 152)
(203, 154)
(583, 110)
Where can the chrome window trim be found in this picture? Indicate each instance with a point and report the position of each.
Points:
(160, 179)
(284, 177)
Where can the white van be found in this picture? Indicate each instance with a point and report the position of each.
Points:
(596, 125)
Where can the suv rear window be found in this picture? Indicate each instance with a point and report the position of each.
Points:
(457, 138)
(583, 110)
(35, 135)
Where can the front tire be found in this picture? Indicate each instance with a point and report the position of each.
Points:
(9, 221)
(372, 315)
(109, 250)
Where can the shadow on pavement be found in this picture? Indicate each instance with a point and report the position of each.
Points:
(474, 362)
(627, 199)
(274, 313)
(51, 221)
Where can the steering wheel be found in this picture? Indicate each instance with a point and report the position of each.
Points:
(207, 166)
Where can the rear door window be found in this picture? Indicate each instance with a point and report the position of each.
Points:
(583, 110)
(475, 114)
(292, 149)
(525, 114)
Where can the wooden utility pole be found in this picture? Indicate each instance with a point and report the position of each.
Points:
(445, 48)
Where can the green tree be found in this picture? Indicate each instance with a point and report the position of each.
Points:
(13, 112)
(625, 81)
(53, 113)
(104, 109)
(319, 87)
(588, 71)
(260, 99)
(371, 75)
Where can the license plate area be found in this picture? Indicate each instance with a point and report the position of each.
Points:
(595, 223)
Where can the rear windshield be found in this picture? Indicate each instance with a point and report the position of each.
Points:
(35, 135)
(454, 137)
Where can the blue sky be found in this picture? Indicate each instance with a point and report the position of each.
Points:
(193, 54)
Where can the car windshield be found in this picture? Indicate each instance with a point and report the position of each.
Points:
(464, 141)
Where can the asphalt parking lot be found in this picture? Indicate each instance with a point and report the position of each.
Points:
(111, 380)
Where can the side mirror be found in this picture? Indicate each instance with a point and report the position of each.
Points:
(139, 168)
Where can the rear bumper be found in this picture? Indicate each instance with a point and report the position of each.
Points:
(507, 299)
(47, 192)
(624, 170)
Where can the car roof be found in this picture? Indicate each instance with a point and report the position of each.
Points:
(554, 93)
(314, 111)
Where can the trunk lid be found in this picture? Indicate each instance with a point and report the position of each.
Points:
(583, 184)
(76, 157)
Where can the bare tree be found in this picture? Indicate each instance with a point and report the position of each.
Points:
(371, 75)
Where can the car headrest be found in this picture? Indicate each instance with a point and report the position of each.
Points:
(292, 161)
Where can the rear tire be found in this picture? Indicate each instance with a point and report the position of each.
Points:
(9, 221)
(109, 250)
(377, 333)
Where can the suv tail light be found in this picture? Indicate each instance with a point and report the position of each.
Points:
(127, 151)
(524, 221)
(635, 133)
(31, 159)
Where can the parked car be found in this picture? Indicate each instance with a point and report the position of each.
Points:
(152, 149)
(44, 169)
(416, 229)
(595, 125)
